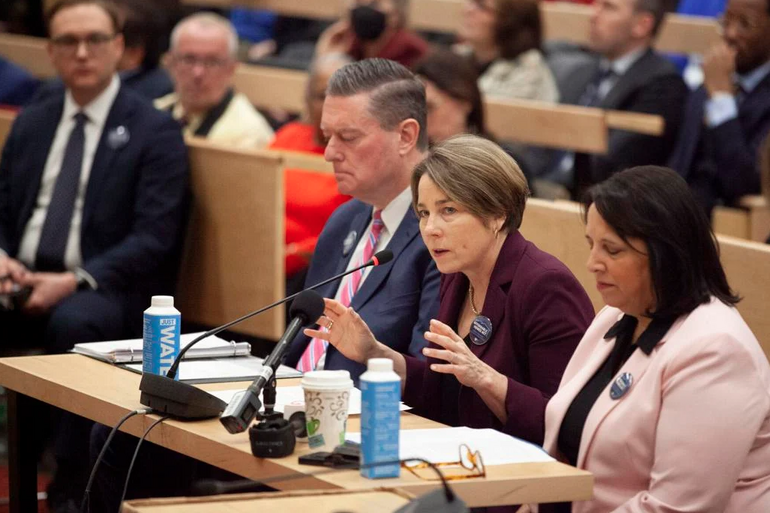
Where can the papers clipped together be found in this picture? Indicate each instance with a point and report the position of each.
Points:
(130, 351)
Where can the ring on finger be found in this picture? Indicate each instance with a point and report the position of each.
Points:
(329, 326)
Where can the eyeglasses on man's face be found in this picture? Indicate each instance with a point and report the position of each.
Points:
(69, 44)
(469, 465)
(188, 61)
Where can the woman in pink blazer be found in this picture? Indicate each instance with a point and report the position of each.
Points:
(667, 398)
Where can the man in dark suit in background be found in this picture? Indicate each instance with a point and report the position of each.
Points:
(374, 120)
(729, 117)
(92, 204)
(629, 76)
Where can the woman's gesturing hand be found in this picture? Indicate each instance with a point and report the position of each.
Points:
(345, 330)
(469, 370)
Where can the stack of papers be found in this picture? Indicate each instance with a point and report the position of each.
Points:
(128, 351)
(442, 445)
(222, 370)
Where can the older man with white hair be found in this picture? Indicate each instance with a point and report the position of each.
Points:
(202, 64)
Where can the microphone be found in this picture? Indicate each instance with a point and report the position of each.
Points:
(379, 258)
(181, 400)
(215, 487)
(244, 405)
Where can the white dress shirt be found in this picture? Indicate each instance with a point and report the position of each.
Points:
(392, 215)
(619, 68)
(97, 112)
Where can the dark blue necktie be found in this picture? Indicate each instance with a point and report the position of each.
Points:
(590, 97)
(56, 228)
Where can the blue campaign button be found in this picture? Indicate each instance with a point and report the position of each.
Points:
(621, 385)
(481, 330)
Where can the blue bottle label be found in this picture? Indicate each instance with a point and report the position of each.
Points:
(380, 423)
(161, 343)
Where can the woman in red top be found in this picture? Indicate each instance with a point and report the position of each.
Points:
(311, 196)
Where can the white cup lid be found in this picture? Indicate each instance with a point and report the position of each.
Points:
(327, 380)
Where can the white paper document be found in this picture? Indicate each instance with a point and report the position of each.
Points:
(442, 445)
(126, 351)
(295, 395)
(241, 368)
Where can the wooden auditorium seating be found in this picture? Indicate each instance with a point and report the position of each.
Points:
(548, 125)
(6, 120)
(557, 126)
(557, 228)
(234, 251)
(561, 20)
(28, 52)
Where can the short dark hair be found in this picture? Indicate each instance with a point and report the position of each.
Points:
(658, 9)
(655, 204)
(145, 27)
(107, 6)
(396, 93)
(456, 76)
(518, 27)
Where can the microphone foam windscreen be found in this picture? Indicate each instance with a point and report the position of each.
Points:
(308, 306)
(384, 256)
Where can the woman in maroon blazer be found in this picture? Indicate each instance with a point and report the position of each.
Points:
(519, 312)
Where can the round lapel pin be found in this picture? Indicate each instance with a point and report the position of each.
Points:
(118, 137)
(481, 330)
(348, 243)
(621, 385)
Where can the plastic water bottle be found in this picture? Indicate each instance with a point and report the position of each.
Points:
(162, 324)
(380, 418)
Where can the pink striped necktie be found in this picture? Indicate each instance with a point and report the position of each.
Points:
(350, 284)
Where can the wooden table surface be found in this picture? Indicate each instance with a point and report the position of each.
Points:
(105, 393)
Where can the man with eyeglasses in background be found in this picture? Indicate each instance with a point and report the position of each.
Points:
(202, 63)
(93, 185)
(728, 119)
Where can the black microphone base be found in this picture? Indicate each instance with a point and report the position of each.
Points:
(178, 399)
(434, 502)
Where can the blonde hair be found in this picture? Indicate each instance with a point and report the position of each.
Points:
(477, 174)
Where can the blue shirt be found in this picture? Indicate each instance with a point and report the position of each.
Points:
(723, 107)
(17, 86)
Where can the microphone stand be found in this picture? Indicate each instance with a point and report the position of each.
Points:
(184, 401)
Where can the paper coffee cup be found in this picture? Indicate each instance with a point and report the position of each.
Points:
(326, 407)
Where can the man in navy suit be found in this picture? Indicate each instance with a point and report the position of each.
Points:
(374, 120)
(92, 204)
(728, 118)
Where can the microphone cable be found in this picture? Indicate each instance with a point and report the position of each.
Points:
(85, 503)
(133, 459)
(449, 495)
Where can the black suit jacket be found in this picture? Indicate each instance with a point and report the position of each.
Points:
(722, 163)
(134, 207)
(651, 85)
(397, 300)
